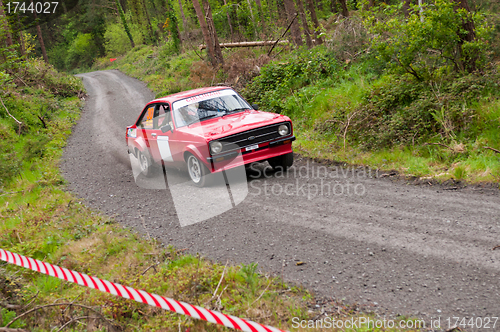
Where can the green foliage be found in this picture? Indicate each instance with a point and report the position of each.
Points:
(402, 111)
(435, 45)
(124, 22)
(249, 275)
(34, 98)
(172, 25)
(9, 160)
(6, 316)
(116, 40)
(279, 80)
(82, 51)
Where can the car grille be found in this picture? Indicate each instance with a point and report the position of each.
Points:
(252, 137)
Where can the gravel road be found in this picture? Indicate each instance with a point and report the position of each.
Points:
(398, 248)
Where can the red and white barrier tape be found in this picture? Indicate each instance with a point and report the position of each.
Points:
(135, 294)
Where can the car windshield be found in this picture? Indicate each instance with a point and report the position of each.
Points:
(206, 106)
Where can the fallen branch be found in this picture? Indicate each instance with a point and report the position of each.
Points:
(347, 125)
(495, 247)
(152, 266)
(32, 299)
(19, 123)
(288, 28)
(20, 79)
(12, 192)
(109, 322)
(494, 150)
(74, 320)
(144, 225)
(42, 120)
(5, 329)
(269, 284)
(440, 144)
(246, 44)
(11, 306)
(220, 281)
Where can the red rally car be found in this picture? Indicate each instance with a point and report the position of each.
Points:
(207, 130)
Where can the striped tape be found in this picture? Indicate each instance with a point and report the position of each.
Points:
(135, 294)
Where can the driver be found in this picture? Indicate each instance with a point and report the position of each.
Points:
(188, 114)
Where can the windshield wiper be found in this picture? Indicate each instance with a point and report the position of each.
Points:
(204, 118)
(238, 110)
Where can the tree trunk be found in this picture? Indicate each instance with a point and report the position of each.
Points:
(184, 21)
(204, 31)
(261, 15)
(229, 21)
(173, 26)
(213, 33)
(406, 8)
(314, 18)
(468, 61)
(21, 37)
(343, 5)
(282, 14)
(124, 22)
(152, 36)
(469, 24)
(319, 5)
(40, 38)
(305, 26)
(333, 6)
(5, 26)
(253, 19)
(290, 13)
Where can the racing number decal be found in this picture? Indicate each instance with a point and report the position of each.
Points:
(150, 114)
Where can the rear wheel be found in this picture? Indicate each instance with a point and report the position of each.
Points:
(197, 171)
(281, 162)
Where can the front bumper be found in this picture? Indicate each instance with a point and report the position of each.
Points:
(265, 151)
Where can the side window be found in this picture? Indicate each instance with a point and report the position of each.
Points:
(146, 122)
(163, 116)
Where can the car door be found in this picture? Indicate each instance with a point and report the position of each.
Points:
(163, 120)
(146, 133)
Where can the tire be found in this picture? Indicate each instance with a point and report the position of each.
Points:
(198, 173)
(281, 162)
(145, 164)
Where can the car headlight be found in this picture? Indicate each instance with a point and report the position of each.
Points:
(283, 130)
(132, 133)
(215, 147)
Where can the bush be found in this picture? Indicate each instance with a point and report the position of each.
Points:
(402, 111)
(9, 161)
(278, 80)
(116, 40)
(431, 44)
(82, 51)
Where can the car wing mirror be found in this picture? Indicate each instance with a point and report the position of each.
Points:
(255, 107)
(166, 128)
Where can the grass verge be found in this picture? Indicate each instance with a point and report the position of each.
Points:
(40, 219)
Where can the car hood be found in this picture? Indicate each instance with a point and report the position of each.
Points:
(234, 123)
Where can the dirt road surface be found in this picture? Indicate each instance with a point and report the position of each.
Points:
(397, 248)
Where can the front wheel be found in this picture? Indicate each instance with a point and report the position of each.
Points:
(282, 162)
(145, 164)
(197, 171)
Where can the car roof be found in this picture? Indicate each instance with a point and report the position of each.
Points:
(189, 93)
